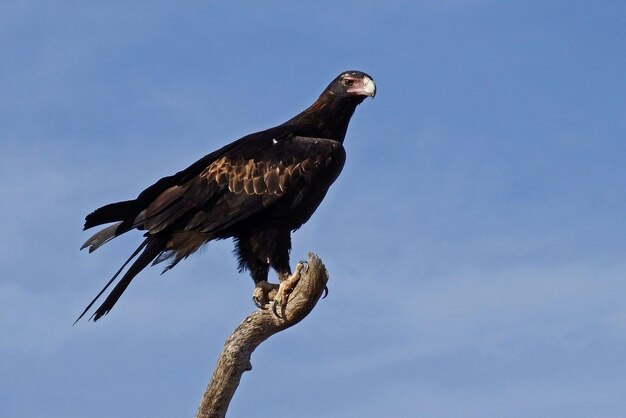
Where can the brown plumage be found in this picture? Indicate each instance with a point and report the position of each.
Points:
(256, 190)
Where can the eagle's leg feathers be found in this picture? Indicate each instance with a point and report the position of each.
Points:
(287, 284)
(264, 293)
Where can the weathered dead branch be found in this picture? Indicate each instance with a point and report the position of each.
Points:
(256, 328)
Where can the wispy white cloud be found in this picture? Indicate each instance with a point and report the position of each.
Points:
(509, 314)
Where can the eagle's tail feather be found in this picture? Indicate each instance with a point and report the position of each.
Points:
(103, 236)
(113, 212)
(151, 247)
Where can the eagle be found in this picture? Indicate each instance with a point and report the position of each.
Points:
(256, 190)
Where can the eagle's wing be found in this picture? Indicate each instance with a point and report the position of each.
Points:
(244, 183)
(270, 176)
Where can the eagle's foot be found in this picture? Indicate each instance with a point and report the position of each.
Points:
(286, 287)
(264, 293)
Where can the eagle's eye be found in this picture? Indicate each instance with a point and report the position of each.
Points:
(348, 82)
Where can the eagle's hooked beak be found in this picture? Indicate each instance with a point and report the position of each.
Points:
(362, 86)
(369, 87)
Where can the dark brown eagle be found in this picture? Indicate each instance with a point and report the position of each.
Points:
(256, 190)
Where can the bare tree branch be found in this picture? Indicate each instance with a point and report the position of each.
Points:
(256, 328)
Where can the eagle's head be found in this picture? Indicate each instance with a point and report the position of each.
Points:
(352, 84)
(330, 115)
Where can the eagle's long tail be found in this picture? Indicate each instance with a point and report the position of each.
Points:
(152, 246)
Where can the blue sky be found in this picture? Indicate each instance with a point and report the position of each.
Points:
(476, 239)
